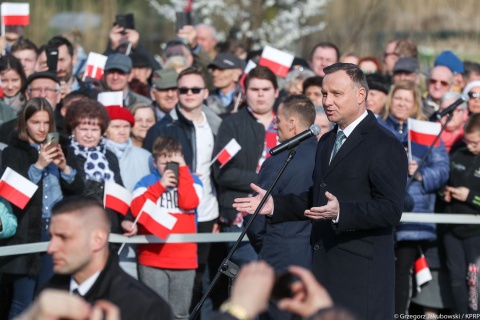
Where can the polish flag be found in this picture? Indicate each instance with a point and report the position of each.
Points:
(250, 65)
(422, 272)
(16, 188)
(117, 197)
(15, 14)
(111, 98)
(95, 65)
(421, 135)
(227, 153)
(1, 89)
(277, 61)
(156, 220)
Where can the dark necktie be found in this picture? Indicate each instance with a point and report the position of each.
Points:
(76, 292)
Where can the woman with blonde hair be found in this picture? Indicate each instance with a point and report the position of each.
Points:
(412, 239)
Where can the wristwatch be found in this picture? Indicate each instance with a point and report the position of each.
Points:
(235, 310)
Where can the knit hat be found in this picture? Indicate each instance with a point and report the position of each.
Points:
(470, 85)
(120, 113)
(378, 82)
(448, 59)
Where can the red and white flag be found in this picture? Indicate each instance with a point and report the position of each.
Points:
(422, 272)
(276, 60)
(227, 153)
(15, 14)
(111, 98)
(95, 65)
(250, 65)
(1, 89)
(16, 188)
(117, 197)
(421, 135)
(156, 220)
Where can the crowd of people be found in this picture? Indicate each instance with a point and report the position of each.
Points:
(335, 213)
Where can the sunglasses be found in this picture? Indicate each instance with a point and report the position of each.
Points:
(186, 90)
(442, 82)
(473, 95)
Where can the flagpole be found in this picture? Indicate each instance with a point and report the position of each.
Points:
(410, 157)
(133, 226)
(235, 108)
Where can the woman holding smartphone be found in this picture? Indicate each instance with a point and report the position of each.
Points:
(46, 165)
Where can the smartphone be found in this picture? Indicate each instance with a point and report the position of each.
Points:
(52, 59)
(183, 19)
(174, 167)
(282, 286)
(126, 21)
(52, 139)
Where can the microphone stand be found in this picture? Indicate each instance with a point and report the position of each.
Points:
(227, 267)
(430, 148)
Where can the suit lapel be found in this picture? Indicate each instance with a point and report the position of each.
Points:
(351, 143)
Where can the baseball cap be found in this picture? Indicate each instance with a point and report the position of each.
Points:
(118, 61)
(164, 79)
(225, 60)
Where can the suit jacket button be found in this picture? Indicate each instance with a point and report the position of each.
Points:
(323, 184)
(316, 247)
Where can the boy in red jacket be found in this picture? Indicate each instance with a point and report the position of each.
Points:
(169, 269)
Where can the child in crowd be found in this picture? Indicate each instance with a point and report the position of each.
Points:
(169, 269)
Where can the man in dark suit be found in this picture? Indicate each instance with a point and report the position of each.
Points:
(83, 263)
(285, 244)
(356, 200)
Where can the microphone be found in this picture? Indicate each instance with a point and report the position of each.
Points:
(452, 107)
(314, 130)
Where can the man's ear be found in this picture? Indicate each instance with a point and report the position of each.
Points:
(361, 95)
(99, 239)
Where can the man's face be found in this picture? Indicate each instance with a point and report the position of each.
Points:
(226, 78)
(322, 121)
(65, 64)
(70, 244)
(166, 99)
(261, 95)
(376, 101)
(390, 57)
(314, 93)
(118, 131)
(44, 88)
(321, 58)
(283, 125)
(404, 75)
(343, 102)
(205, 38)
(459, 116)
(28, 59)
(41, 64)
(190, 100)
(440, 82)
(117, 80)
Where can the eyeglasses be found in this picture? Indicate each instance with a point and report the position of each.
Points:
(474, 95)
(386, 54)
(193, 90)
(442, 82)
(37, 90)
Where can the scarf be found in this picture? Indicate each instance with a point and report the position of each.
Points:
(96, 164)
